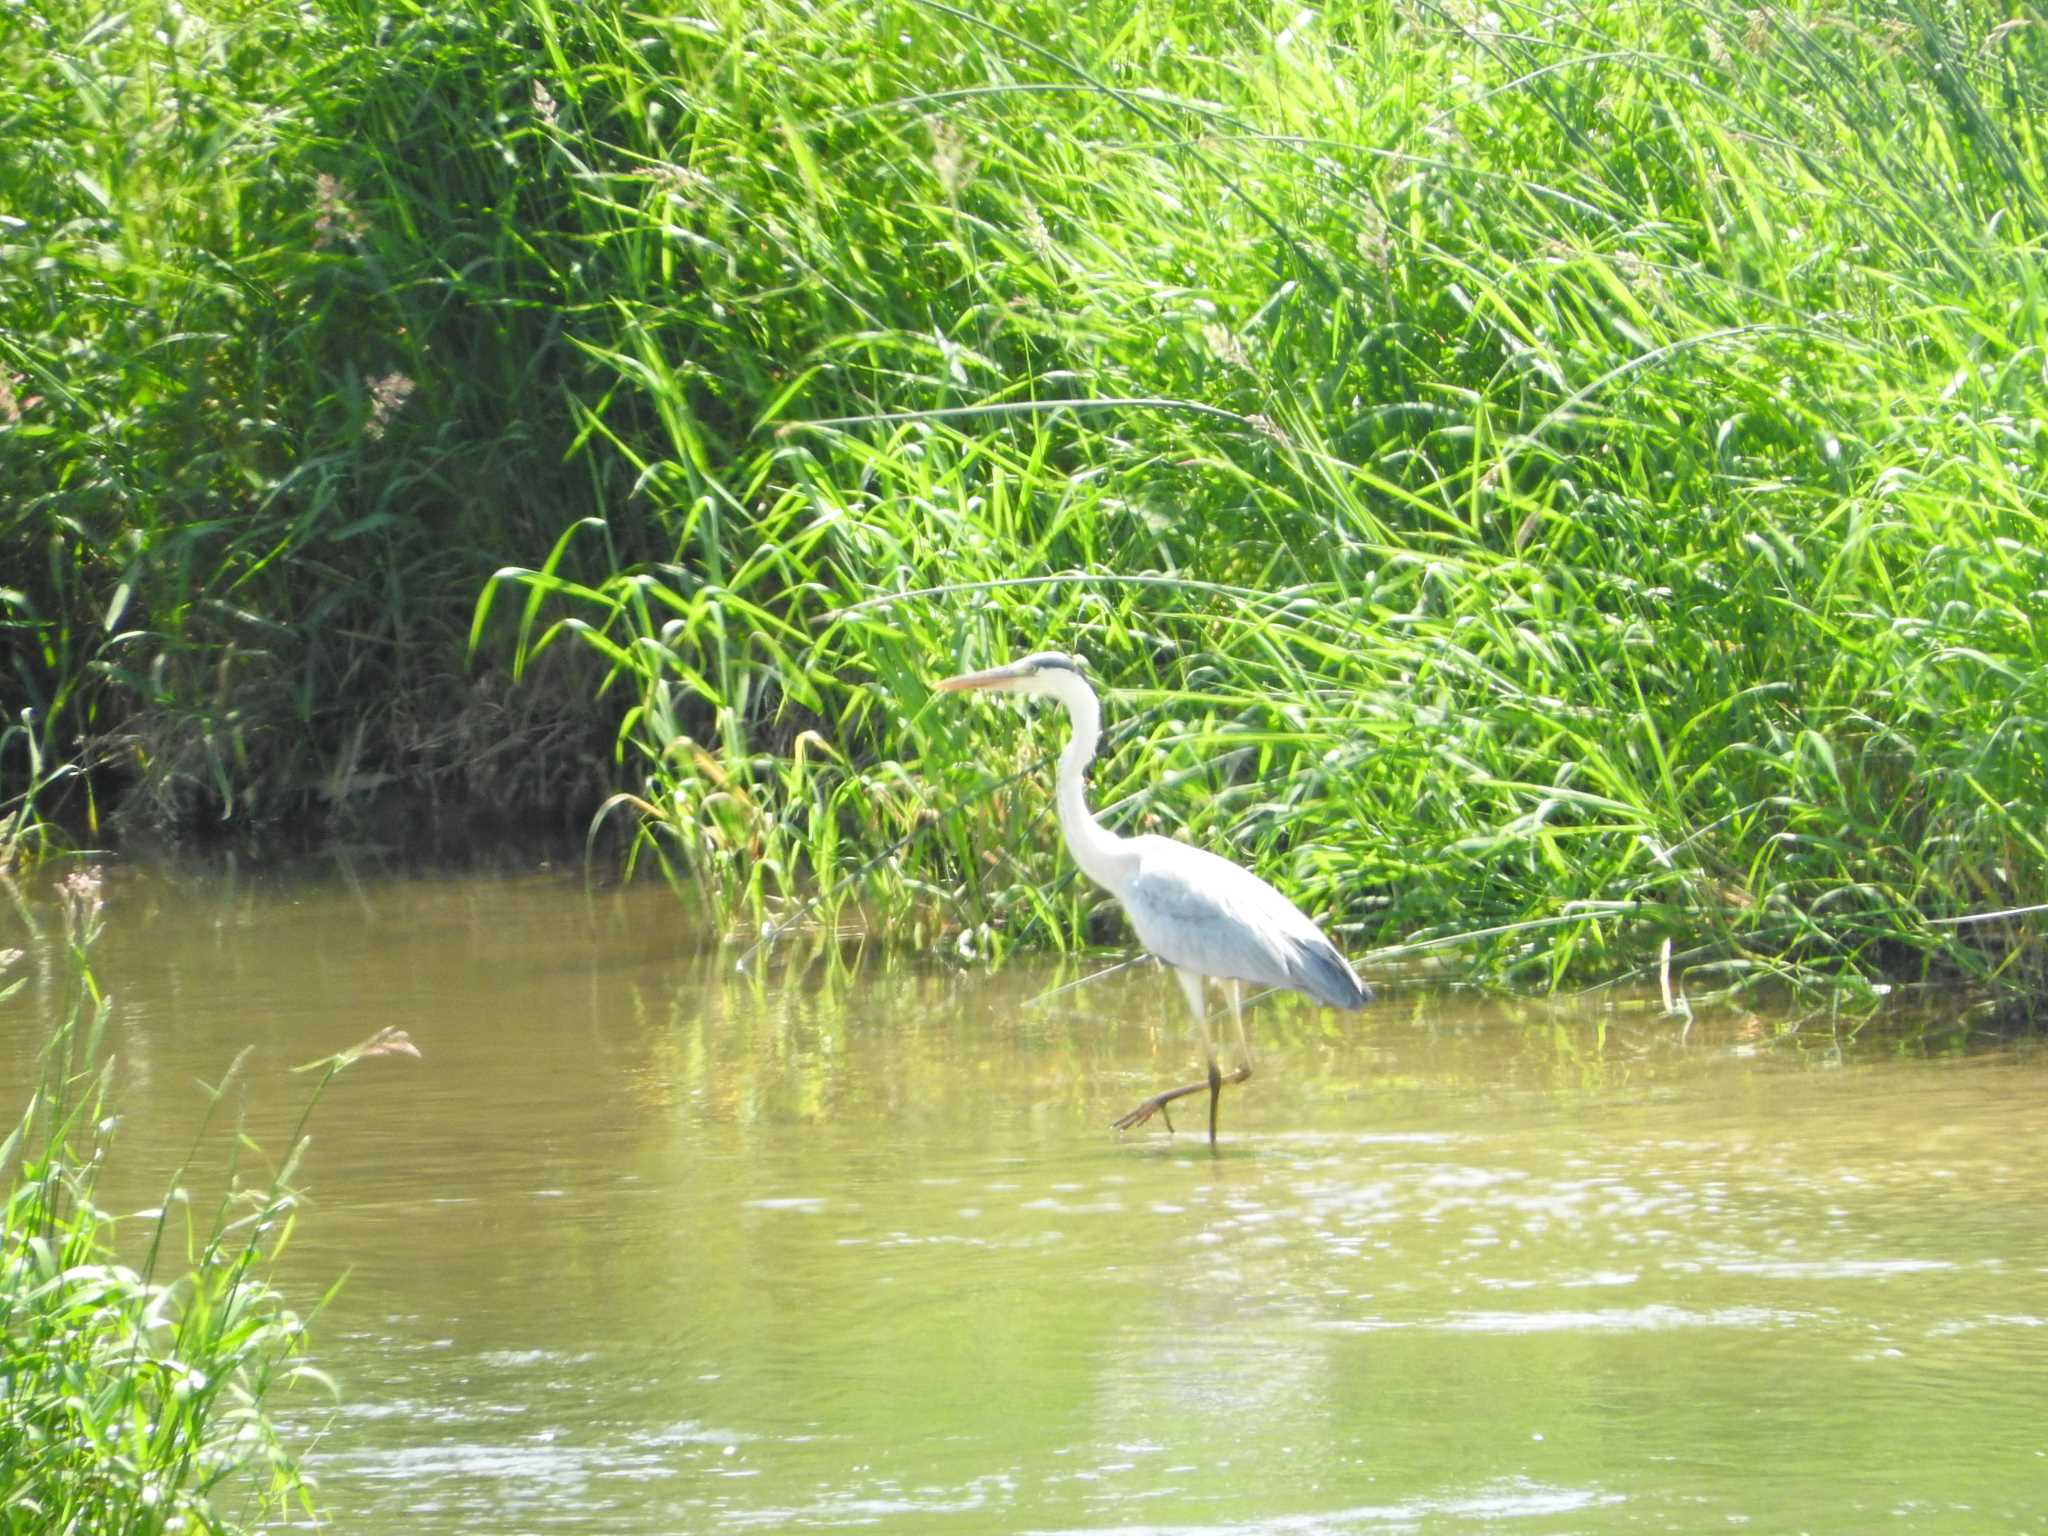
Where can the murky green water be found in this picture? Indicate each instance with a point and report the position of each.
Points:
(642, 1246)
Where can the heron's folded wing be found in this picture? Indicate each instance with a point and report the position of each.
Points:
(1206, 915)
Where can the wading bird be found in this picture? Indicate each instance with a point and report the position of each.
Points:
(1200, 914)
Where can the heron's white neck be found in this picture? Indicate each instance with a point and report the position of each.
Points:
(1101, 854)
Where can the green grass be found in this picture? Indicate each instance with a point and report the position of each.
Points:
(1569, 474)
(135, 1376)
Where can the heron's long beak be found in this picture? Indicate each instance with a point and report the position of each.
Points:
(994, 677)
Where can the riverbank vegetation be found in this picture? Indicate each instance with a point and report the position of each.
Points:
(145, 1352)
(1563, 479)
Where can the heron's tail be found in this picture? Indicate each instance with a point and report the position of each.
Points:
(1327, 976)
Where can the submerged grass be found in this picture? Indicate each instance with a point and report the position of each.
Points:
(1571, 475)
(134, 1381)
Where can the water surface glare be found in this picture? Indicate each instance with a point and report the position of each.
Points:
(643, 1246)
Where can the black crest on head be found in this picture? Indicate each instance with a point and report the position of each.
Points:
(1051, 661)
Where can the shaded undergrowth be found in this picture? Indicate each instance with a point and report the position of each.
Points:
(1570, 475)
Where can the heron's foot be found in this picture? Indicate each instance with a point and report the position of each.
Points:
(1156, 1105)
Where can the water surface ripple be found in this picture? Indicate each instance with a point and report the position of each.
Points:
(642, 1245)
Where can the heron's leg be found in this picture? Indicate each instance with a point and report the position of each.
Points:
(1191, 987)
(1244, 1045)
(1198, 1004)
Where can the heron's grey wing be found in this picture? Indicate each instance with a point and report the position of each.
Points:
(1204, 914)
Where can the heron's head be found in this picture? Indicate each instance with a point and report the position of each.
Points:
(1043, 672)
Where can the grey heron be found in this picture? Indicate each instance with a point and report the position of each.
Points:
(1200, 914)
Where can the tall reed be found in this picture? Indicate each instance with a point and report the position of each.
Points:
(1567, 475)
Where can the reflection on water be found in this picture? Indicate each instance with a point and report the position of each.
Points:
(642, 1245)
